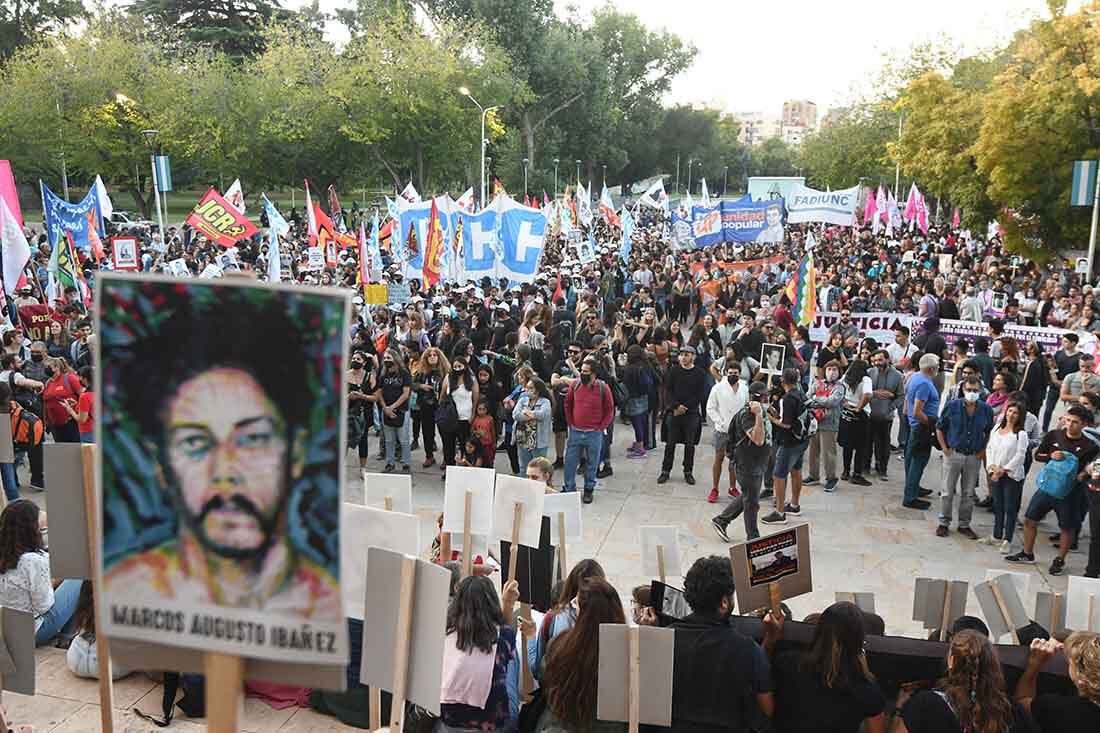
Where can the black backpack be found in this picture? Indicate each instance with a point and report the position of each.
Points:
(804, 426)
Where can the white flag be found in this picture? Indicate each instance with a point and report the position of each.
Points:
(584, 205)
(16, 249)
(704, 196)
(410, 194)
(234, 195)
(106, 208)
(466, 201)
(655, 196)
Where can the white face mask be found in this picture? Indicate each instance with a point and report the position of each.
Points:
(971, 396)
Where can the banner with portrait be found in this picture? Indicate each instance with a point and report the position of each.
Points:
(221, 466)
(752, 221)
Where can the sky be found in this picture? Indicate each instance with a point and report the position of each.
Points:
(752, 56)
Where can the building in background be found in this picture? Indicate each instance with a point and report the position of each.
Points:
(800, 113)
(756, 127)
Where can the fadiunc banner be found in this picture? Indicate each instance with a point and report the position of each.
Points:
(830, 207)
(60, 216)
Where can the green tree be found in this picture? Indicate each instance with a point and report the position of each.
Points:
(22, 21)
(773, 157)
(234, 27)
(850, 147)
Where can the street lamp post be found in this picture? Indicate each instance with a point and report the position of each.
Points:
(484, 111)
(578, 173)
(690, 163)
(605, 175)
(151, 138)
(525, 162)
(556, 161)
(725, 171)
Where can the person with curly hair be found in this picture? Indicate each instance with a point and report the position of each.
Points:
(970, 698)
(1057, 713)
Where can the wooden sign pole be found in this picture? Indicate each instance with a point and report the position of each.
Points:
(946, 609)
(375, 702)
(224, 692)
(661, 562)
(513, 556)
(1000, 599)
(634, 715)
(467, 537)
(102, 650)
(561, 546)
(388, 503)
(1055, 608)
(775, 600)
(401, 645)
(525, 668)
(1088, 624)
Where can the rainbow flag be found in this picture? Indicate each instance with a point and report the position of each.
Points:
(802, 291)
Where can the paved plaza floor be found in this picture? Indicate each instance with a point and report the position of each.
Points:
(862, 540)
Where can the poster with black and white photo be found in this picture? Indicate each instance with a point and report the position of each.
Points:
(783, 558)
(221, 466)
(771, 359)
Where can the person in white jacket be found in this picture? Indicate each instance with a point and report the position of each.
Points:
(725, 401)
(1005, 454)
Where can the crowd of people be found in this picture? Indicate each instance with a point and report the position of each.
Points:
(674, 346)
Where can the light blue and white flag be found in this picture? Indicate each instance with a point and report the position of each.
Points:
(276, 226)
(627, 245)
(1084, 183)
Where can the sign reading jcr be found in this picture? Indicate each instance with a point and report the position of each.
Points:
(217, 220)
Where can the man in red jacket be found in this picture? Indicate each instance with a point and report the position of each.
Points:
(589, 409)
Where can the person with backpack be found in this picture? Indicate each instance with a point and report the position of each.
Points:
(1060, 449)
(61, 392)
(589, 409)
(749, 439)
(794, 425)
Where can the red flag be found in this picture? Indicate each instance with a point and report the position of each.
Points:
(93, 238)
(433, 248)
(219, 221)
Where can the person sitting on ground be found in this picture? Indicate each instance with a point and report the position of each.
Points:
(570, 680)
(970, 697)
(831, 678)
(721, 680)
(25, 572)
(1057, 713)
(82, 657)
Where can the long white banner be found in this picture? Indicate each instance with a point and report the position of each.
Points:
(831, 207)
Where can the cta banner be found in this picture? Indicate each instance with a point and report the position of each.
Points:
(831, 207)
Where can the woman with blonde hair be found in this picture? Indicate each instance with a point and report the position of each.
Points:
(970, 698)
(428, 374)
(1057, 713)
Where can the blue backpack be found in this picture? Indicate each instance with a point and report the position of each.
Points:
(1057, 478)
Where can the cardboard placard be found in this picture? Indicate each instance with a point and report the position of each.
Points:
(429, 597)
(1001, 606)
(782, 558)
(568, 504)
(1050, 613)
(1022, 580)
(664, 563)
(375, 294)
(510, 492)
(316, 258)
(389, 491)
(263, 579)
(864, 601)
(398, 293)
(1083, 603)
(7, 449)
(210, 271)
(362, 527)
(178, 268)
(64, 474)
(640, 687)
(535, 568)
(938, 603)
(480, 482)
(771, 359)
(124, 252)
(17, 651)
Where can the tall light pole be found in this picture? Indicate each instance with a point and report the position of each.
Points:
(525, 162)
(556, 161)
(690, 163)
(605, 175)
(725, 171)
(484, 111)
(151, 139)
(578, 173)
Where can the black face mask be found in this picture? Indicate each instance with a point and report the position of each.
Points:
(732, 379)
(357, 365)
(49, 371)
(586, 378)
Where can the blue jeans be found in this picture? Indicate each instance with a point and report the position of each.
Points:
(61, 613)
(1006, 494)
(915, 461)
(395, 436)
(11, 482)
(88, 437)
(526, 456)
(591, 441)
(903, 427)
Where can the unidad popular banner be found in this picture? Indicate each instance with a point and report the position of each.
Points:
(219, 221)
(831, 207)
(60, 216)
(752, 221)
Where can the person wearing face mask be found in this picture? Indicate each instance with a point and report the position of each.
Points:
(685, 388)
(36, 368)
(963, 431)
(886, 396)
(394, 388)
(727, 397)
(828, 396)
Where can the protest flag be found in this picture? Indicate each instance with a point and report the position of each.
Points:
(334, 207)
(526, 200)
(234, 195)
(276, 227)
(628, 231)
(498, 188)
(94, 240)
(545, 199)
(16, 250)
(64, 267)
(704, 195)
(910, 213)
(870, 208)
(466, 201)
(922, 214)
(433, 248)
(955, 219)
(584, 204)
(410, 194)
(802, 291)
(106, 208)
(607, 208)
(219, 221)
(311, 219)
(364, 256)
(880, 213)
(559, 294)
